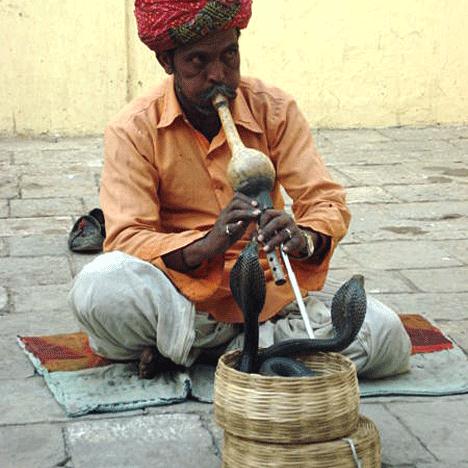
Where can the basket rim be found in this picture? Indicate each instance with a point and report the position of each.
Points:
(223, 366)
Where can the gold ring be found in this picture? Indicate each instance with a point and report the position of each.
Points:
(290, 236)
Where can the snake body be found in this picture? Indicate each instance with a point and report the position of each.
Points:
(247, 282)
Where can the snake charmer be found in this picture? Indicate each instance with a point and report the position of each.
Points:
(160, 293)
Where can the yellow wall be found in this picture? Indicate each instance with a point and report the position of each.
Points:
(67, 66)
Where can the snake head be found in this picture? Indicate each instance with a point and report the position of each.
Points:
(247, 282)
(348, 310)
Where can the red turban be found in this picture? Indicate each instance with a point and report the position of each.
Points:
(166, 24)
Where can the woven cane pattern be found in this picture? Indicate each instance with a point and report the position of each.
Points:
(245, 453)
(288, 410)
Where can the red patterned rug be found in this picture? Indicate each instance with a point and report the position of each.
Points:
(71, 352)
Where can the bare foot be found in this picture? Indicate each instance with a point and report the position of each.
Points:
(153, 363)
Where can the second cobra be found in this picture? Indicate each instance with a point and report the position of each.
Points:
(247, 282)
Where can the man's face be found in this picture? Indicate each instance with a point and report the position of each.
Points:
(212, 61)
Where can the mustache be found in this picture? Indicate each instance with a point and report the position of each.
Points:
(206, 96)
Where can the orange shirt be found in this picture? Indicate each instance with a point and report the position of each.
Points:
(164, 185)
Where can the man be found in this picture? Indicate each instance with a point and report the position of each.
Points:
(175, 227)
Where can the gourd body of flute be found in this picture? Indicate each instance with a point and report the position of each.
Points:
(250, 171)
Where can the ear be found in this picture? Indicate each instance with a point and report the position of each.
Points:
(166, 60)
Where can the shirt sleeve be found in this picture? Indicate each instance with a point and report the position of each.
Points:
(129, 200)
(319, 203)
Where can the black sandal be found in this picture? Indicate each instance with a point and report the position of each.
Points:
(88, 233)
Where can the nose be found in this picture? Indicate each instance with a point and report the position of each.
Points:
(215, 72)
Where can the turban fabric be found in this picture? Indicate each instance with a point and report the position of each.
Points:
(166, 24)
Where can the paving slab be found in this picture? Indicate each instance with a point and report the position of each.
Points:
(371, 222)
(3, 248)
(374, 194)
(440, 426)
(158, 441)
(437, 306)
(17, 365)
(41, 207)
(340, 177)
(411, 134)
(38, 245)
(40, 445)
(78, 156)
(458, 249)
(4, 208)
(390, 155)
(4, 300)
(386, 174)
(6, 156)
(457, 330)
(31, 299)
(20, 271)
(9, 187)
(49, 142)
(398, 446)
(448, 191)
(71, 184)
(415, 230)
(441, 280)
(397, 145)
(78, 261)
(341, 260)
(27, 401)
(401, 255)
(376, 281)
(30, 226)
(90, 202)
(364, 135)
(44, 322)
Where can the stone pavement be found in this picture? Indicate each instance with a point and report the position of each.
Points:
(408, 191)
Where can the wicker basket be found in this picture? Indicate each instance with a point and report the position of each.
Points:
(288, 410)
(242, 453)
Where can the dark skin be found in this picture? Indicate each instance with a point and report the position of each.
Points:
(197, 67)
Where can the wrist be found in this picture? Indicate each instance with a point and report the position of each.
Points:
(193, 255)
(311, 239)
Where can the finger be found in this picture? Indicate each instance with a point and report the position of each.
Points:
(276, 240)
(268, 216)
(238, 204)
(232, 229)
(293, 245)
(246, 199)
(242, 215)
(276, 225)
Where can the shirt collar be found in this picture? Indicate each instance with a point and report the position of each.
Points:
(171, 109)
(241, 112)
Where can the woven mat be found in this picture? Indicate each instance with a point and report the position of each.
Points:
(83, 382)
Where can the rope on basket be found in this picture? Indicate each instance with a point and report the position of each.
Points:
(356, 459)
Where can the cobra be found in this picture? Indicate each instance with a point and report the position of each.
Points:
(247, 282)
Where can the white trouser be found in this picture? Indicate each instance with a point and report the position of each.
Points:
(126, 304)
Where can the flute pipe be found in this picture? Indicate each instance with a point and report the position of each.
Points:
(233, 138)
(297, 293)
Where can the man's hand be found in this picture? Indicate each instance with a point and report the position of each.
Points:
(232, 223)
(277, 227)
(229, 227)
